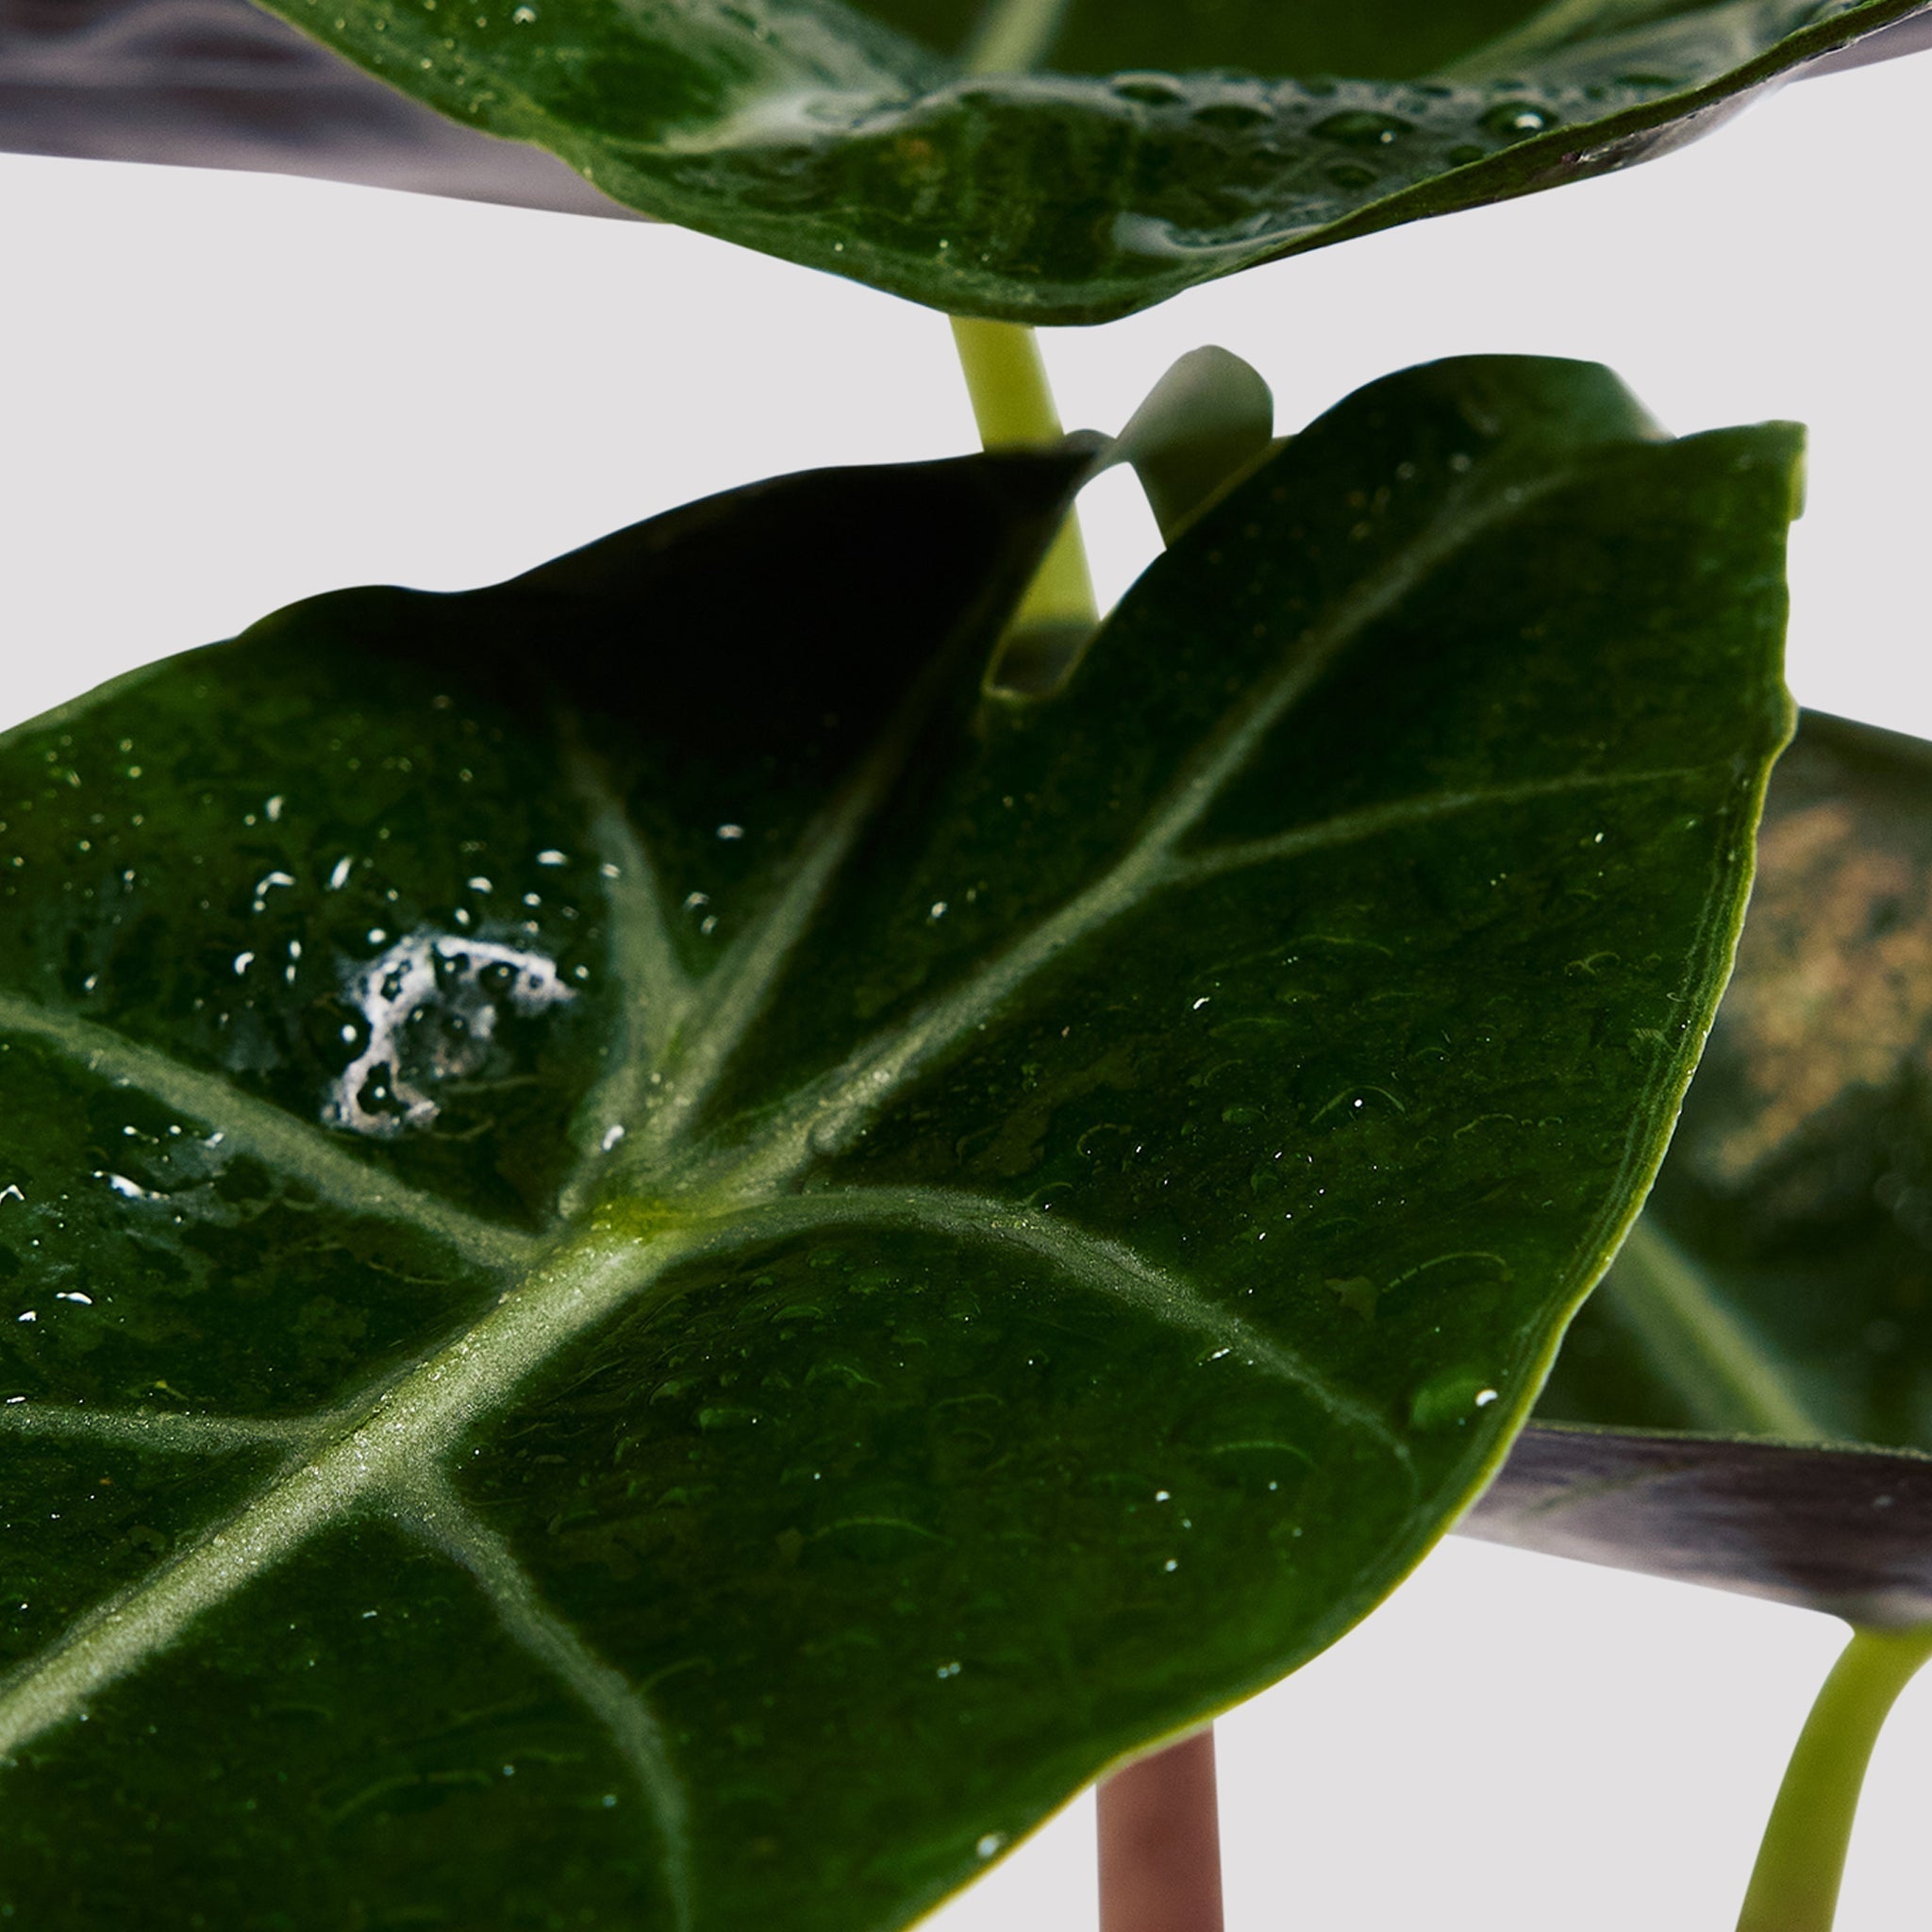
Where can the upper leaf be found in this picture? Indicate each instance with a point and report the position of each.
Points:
(1779, 1285)
(1159, 146)
(673, 1269)
(218, 83)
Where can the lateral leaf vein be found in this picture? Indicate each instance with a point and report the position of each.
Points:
(277, 1138)
(430, 1505)
(830, 1114)
(1096, 1262)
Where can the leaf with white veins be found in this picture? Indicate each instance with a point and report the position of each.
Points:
(671, 1269)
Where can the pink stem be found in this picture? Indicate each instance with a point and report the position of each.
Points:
(1160, 1843)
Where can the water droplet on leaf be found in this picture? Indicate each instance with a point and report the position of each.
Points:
(1516, 120)
(1149, 90)
(1234, 116)
(1363, 127)
(1449, 1399)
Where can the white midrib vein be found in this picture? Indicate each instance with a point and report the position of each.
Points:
(384, 1455)
(382, 1452)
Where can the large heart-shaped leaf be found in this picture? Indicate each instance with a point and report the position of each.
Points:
(1779, 1285)
(671, 1267)
(1163, 146)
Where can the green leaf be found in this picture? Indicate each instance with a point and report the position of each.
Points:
(1779, 1285)
(669, 1269)
(1163, 147)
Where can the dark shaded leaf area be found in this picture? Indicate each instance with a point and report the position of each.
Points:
(1780, 1282)
(667, 1269)
(1154, 146)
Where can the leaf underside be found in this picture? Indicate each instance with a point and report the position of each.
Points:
(1779, 1286)
(669, 1270)
(1154, 148)
(219, 83)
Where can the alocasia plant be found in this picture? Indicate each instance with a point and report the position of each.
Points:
(689, 1234)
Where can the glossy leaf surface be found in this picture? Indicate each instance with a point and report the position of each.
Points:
(668, 1270)
(218, 83)
(1155, 146)
(1779, 1285)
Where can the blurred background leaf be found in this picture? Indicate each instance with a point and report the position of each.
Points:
(1778, 1286)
